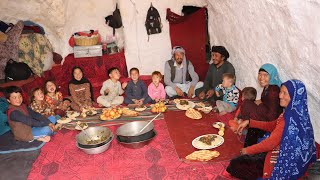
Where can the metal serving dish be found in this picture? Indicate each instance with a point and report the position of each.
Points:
(132, 129)
(129, 135)
(96, 150)
(94, 137)
(138, 144)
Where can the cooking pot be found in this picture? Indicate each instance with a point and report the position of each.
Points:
(137, 144)
(94, 137)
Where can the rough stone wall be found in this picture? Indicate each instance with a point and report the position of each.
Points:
(61, 18)
(282, 32)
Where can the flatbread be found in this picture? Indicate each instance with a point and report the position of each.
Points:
(202, 155)
(193, 114)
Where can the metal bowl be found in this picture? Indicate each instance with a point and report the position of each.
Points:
(139, 144)
(141, 137)
(96, 150)
(132, 129)
(93, 137)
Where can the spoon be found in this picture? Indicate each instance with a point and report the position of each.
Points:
(149, 122)
(85, 132)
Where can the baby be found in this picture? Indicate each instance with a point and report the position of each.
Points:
(111, 90)
(230, 95)
(156, 89)
(245, 111)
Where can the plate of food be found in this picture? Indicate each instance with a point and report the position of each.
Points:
(208, 141)
(218, 125)
(91, 112)
(81, 126)
(111, 113)
(141, 108)
(73, 114)
(64, 120)
(193, 114)
(205, 109)
(184, 104)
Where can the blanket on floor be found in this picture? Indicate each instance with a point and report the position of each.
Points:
(9, 145)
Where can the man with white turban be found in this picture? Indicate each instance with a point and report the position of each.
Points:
(179, 75)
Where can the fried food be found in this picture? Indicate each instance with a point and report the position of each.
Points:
(201, 104)
(110, 113)
(140, 108)
(193, 114)
(158, 107)
(129, 112)
(203, 155)
(177, 101)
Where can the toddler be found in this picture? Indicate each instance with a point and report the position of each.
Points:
(230, 95)
(111, 90)
(156, 89)
(54, 98)
(246, 110)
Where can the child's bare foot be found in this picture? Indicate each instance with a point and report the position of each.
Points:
(100, 105)
(57, 127)
(44, 139)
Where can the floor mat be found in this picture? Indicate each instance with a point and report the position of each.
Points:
(9, 145)
(183, 130)
(60, 159)
(17, 165)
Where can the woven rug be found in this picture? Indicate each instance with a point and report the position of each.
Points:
(61, 159)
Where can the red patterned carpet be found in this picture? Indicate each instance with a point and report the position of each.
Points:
(60, 159)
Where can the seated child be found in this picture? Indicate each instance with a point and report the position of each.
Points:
(111, 90)
(230, 95)
(80, 90)
(136, 90)
(26, 124)
(156, 89)
(54, 98)
(245, 111)
(38, 104)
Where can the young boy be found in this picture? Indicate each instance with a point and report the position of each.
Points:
(230, 95)
(26, 124)
(246, 110)
(136, 90)
(111, 90)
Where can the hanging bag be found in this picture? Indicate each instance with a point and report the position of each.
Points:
(114, 20)
(15, 71)
(153, 21)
